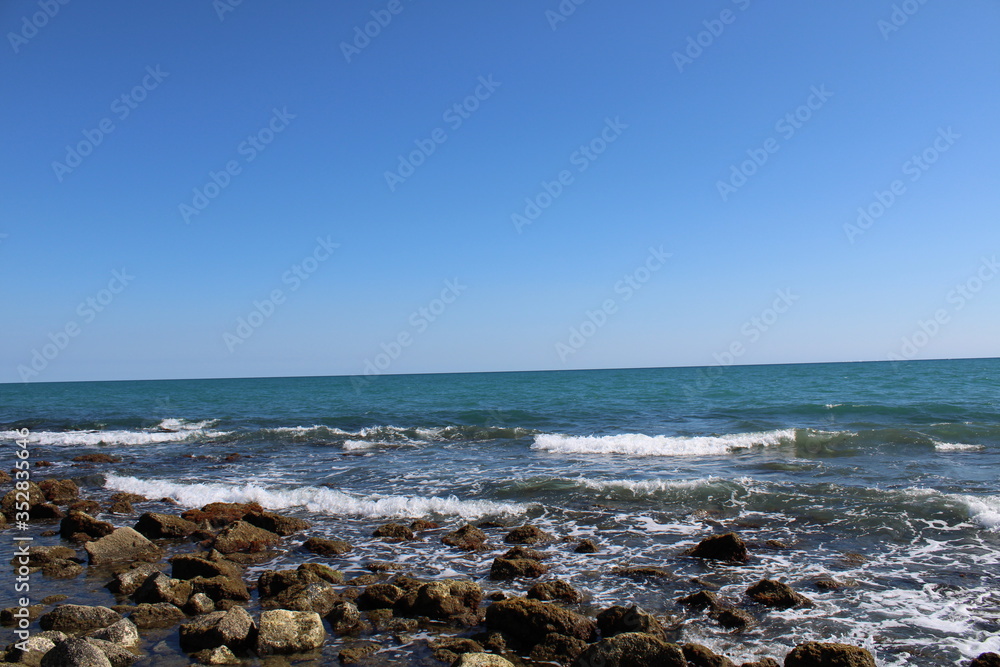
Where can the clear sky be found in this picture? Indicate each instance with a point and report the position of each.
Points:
(258, 188)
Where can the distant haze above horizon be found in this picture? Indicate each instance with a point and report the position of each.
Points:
(234, 189)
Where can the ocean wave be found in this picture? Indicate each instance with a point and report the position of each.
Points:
(984, 510)
(175, 431)
(388, 435)
(956, 447)
(315, 499)
(650, 486)
(637, 444)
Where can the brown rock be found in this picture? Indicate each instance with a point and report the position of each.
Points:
(128, 497)
(96, 458)
(129, 581)
(558, 648)
(448, 649)
(467, 537)
(324, 547)
(120, 507)
(700, 600)
(986, 660)
(59, 491)
(199, 603)
(156, 526)
(530, 621)
(586, 546)
(221, 514)
(729, 547)
(357, 652)
(556, 589)
(189, 566)
(525, 552)
(344, 618)
(324, 572)
(819, 654)
(632, 649)
(221, 588)
(618, 620)
(276, 523)
(394, 531)
(159, 615)
(243, 536)
(733, 619)
(702, 656)
(124, 544)
(452, 600)
(512, 568)
(7, 617)
(86, 506)
(77, 619)
(284, 631)
(763, 662)
(77, 523)
(232, 628)
(776, 594)
(379, 596)
(423, 524)
(159, 587)
(62, 569)
(527, 534)
(10, 501)
(645, 572)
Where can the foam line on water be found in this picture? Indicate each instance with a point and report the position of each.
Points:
(637, 444)
(315, 499)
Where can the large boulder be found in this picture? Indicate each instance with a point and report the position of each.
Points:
(729, 547)
(527, 534)
(467, 537)
(129, 581)
(319, 597)
(78, 619)
(394, 531)
(123, 544)
(35, 496)
(75, 653)
(189, 566)
(632, 649)
(529, 621)
(344, 618)
(986, 660)
(698, 655)
(284, 631)
(512, 568)
(557, 589)
(159, 587)
(217, 515)
(776, 594)
(241, 536)
(451, 600)
(123, 633)
(159, 615)
(155, 526)
(81, 526)
(820, 654)
(379, 596)
(221, 588)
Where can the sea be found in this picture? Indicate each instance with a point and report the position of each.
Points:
(881, 475)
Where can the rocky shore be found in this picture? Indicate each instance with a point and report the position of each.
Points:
(196, 586)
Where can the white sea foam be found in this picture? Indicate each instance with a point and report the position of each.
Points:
(646, 486)
(116, 437)
(313, 498)
(956, 447)
(637, 444)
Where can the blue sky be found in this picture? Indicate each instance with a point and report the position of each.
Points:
(738, 137)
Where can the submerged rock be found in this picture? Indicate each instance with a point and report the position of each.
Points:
(394, 531)
(220, 655)
(700, 600)
(159, 615)
(776, 594)
(732, 619)
(586, 546)
(324, 547)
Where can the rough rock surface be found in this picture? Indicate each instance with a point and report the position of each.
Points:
(512, 568)
(231, 628)
(159, 615)
(77, 619)
(394, 531)
(123, 544)
(325, 547)
(75, 653)
(820, 654)
(79, 523)
(155, 526)
(244, 537)
(59, 491)
(632, 649)
(467, 537)
(527, 534)
(556, 589)
(529, 621)
(776, 594)
(284, 631)
(276, 523)
(729, 547)
(618, 620)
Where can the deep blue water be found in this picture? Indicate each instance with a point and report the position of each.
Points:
(895, 461)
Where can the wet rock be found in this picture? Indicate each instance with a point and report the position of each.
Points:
(556, 589)
(53, 599)
(125, 496)
(324, 572)
(29, 651)
(159, 587)
(123, 544)
(525, 552)
(129, 581)
(76, 523)
(156, 526)
(118, 656)
(527, 534)
(284, 631)
(632, 649)
(46, 512)
(231, 628)
(319, 597)
(78, 619)
(120, 507)
(618, 620)
(558, 648)
(243, 536)
(96, 458)
(220, 655)
(700, 600)
(62, 569)
(423, 524)
(324, 547)
(448, 649)
(394, 531)
(481, 660)
(986, 660)
(530, 621)
(75, 653)
(86, 506)
(831, 584)
(4, 477)
(199, 603)
(452, 600)
(39, 556)
(729, 547)
(357, 652)
(363, 580)
(586, 546)
(702, 656)
(512, 568)
(732, 619)
(384, 620)
(776, 594)
(218, 515)
(467, 537)
(344, 618)
(189, 566)
(819, 654)
(123, 633)
(159, 615)
(220, 588)
(379, 596)
(276, 523)
(10, 500)
(7, 617)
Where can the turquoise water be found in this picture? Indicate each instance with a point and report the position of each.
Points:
(894, 461)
